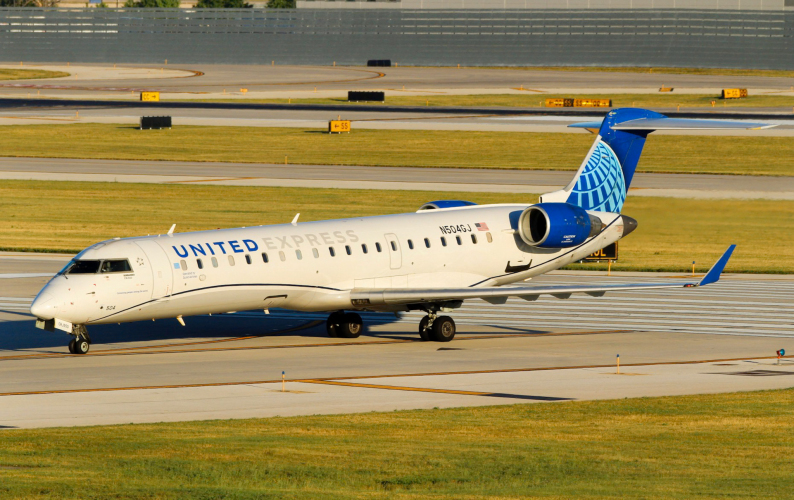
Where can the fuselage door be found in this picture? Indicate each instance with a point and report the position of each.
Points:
(395, 256)
(162, 275)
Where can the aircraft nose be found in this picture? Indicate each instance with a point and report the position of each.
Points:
(629, 225)
(42, 306)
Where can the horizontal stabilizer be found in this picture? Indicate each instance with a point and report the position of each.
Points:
(665, 123)
(591, 125)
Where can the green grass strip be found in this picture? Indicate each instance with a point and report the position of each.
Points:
(416, 148)
(708, 446)
(29, 74)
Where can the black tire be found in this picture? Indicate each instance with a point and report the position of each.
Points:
(424, 332)
(351, 326)
(72, 348)
(333, 325)
(443, 329)
(81, 346)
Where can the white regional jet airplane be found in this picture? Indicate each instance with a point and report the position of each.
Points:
(432, 260)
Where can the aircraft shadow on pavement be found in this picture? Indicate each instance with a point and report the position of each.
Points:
(20, 332)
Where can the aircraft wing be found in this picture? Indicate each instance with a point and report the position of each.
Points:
(499, 295)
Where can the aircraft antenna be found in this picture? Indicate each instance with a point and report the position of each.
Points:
(295, 220)
(171, 231)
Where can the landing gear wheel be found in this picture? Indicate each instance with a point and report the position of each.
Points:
(351, 326)
(333, 325)
(443, 329)
(72, 346)
(81, 346)
(424, 331)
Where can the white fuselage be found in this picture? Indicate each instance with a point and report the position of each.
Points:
(308, 266)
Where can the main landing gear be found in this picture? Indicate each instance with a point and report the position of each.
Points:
(437, 328)
(344, 325)
(81, 342)
(348, 325)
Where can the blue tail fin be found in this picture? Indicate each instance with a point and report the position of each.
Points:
(604, 178)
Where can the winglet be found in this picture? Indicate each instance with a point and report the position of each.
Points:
(714, 273)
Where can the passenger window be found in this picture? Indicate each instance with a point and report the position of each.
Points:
(410, 244)
(199, 264)
(347, 249)
(489, 237)
(474, 238)
(377, 246)
(214, 262)
(331, 251)
(116, 266)
(264, 258)
(315, 253)
(183, 265)
(393, 246)
(457, 238)
(298, 254)
(247, 258)
(282, 256)
(443, 241)
(231, 260)
(364, 247)
(427, 243)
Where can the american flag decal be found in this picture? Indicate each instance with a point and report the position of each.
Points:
(481, 226)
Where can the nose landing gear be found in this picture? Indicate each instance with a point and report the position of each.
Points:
(81, 342)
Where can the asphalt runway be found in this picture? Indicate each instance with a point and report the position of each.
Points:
(378, 118)
(717, 339)
(400, 178)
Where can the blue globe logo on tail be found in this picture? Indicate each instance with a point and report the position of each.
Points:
(601, 185)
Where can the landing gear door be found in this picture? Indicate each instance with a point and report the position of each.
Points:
(163, 281)
(395, 256)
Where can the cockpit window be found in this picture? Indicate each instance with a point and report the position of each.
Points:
(82, 267)
(116, 266)
(97, 266)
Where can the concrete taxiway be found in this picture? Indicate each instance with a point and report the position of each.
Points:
(400, 178)
(276, 80)
(717, 339)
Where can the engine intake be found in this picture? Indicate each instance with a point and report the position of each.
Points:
(557, 225)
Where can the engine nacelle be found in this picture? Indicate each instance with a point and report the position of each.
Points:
(557, 225)
(439, 204)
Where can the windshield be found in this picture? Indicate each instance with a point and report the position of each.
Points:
(97, 266)
(116, 266)
(82, 267)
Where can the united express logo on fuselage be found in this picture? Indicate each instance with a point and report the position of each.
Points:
(269, 242)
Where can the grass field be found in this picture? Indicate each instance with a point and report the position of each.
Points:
(714, 446)
(419, 148)
(535, 99)
(29, 74)
(68, 216)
